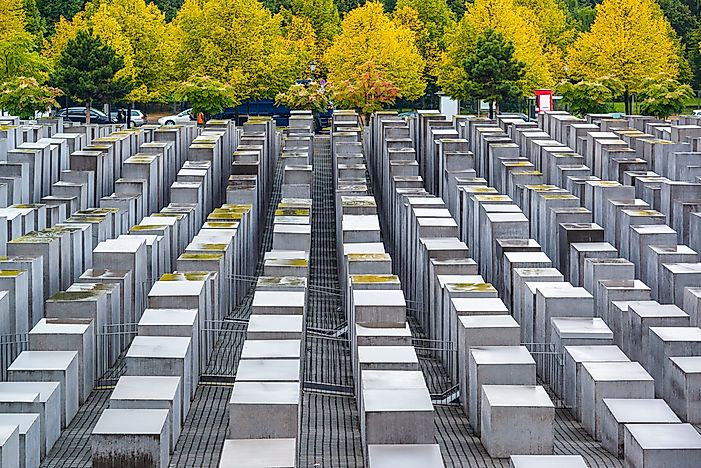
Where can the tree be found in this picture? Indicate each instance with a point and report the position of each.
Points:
(168, 7)
(587, 97)
(238, 42)
(367, 93)
(35, 24)
(323, 16)
(630, 40)
(433, 19)
(88, 69)
(24, 96)
(491, 71)
(663, 98)
(138, 32)
(18, 48)
(538, 43)
(372, 43)
(52, 11)
(207, 95)
(311, 96)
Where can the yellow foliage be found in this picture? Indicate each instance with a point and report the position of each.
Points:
(239, 42)
(630, 40)
(137, 31)
(537, 28)
(370, 37)
(12, 18)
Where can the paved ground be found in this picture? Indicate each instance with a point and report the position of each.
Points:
(329, 428)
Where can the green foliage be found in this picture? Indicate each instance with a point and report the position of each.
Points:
(491, 71)
(52, 10)
(344, 6)
(304, 97)
(18, 57)
(207, 95)
(35, 24)
(369, 92)
(663, 98)
(323, 16)
(87, 70)
(24, 96)
(589, 97)
(168, 7)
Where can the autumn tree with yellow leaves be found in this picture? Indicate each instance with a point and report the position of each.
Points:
(18, 49)
(540, 31)
(630, 40)
(138, 33)
(373, 51)
(241, 43)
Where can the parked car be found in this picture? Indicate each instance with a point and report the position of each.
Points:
(77, 114)
(138, 118)
(183, 117)
(697, 113)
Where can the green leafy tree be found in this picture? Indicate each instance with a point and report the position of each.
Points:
(344, 6)
(168, 7)
(588, 97)
(369, 92)
(323, 16)
(206, 94)
(52, 10)
(87, 70)
(663, 98)
(311, 96)
(24, 96)
(35, 24)
(491, 71)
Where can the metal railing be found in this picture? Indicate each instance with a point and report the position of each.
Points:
(550, 369)
(10, 347)
(219, 348)
(111, 343)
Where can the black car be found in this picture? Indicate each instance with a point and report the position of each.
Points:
(77, 114)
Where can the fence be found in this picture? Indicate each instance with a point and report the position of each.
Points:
(10, 347)
(550, 370)
(219, 347)
(111, 343)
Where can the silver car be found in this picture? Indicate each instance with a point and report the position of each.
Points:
(138, 118)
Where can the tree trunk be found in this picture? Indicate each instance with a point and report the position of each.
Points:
(491, 109)
(129, 115)
(88, 103)
(626, 98)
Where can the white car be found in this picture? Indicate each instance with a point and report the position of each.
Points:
(697, 112)
(183, 117)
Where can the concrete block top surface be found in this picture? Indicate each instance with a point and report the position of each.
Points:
(60, 327)
(405, 455)
(643, 410)
(550, 292)
(275, 323)
(168, 317)
(681, 268)
(387, 354)
(268, 393)
(501, 355)
(593, 247)
(279, 299)
(490, 305)
(23, 420)
(259, 453)
(665, 436)
(688, 364)
(672, 249)
(656, 310)
(131, 421)
(547, 461)
(6, 431)
(615, 371)
(268, 370)
(391, 400)
(379, 297)
(488, 321)
(44, 389)
(527, 257)
(159, 347)
(124, 245)
(177, 288)
(364, 248)
(677, 333)
(517, 395)
(581, 327)
(19, 397)
(392, 379)
(146, 388)
(367, 331)
(271, 349)
(43, 360)
(601, 353)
